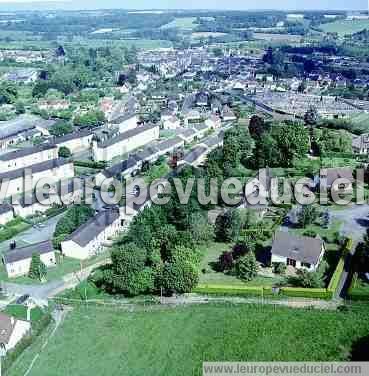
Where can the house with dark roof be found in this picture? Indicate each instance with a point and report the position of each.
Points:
(195, 157)
(17, 261)
(23, 127)
(91, 238)
(62, 193)
(125, 142)
(123, 169)
(75, 142)
(338, 179)
(12, 330)
(300, 252)
(54, 170)
(27, 156)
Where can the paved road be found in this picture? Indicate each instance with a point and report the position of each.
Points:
(355, 223)
(52, 288)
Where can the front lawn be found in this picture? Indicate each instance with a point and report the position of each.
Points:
(208, 275)
(176, 340)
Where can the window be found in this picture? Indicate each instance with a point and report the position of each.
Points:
(306, 265)
(291, 262)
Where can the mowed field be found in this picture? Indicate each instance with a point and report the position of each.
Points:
(343, 27)
(176, 340)
(185, 23)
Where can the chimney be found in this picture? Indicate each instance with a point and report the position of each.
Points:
(13, 245)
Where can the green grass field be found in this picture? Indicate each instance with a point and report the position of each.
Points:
(344, 27)
(184, 23)
(175, 341)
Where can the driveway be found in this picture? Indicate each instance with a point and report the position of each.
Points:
(355, 220)
(33, 234)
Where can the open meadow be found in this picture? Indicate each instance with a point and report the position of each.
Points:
(175, 341)
(344, 27)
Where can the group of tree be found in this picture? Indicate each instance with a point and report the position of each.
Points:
(8, 93)
(239, 261)
(90, 119)
(61, 128)
(159, 252)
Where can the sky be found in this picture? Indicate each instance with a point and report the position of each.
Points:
(191, 4)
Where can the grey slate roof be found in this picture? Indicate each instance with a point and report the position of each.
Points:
(299, 248)
(93, 227)
(194, 154)
(26, 151)
(5, 208)
(22, 124)
(39, 167)
(7, 325)
(171, 143)
(337, 173)
(125, 135)
(72, 136)
(212, 141)
(26, 252)
(120, 168)
(145, 154)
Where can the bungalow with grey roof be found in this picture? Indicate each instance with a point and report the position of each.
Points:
(300, 252)
(91, 238)
(17, 261)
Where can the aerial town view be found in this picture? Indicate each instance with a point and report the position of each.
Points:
(184, 187)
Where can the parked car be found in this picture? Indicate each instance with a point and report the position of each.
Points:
(22, 299)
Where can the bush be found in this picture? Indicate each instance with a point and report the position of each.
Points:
(247, 267)
(179, 277)
(279, 268)
(225, 262)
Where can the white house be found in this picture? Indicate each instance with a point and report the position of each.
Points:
(54, 170)
(12, 330)
(26, 157)
(75, 142)
(62, 193)
(300, 252)
(125, 142)
(213, 122)
(126, 122)
(17, 261)
(172, 123)
(91, 238)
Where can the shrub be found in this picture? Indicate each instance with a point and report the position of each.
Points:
(247, 267)
(179, 277)
(225, 262)
(229, 290)
(279, 268)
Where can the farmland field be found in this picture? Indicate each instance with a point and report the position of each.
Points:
(185, 23)
(175, 341)
(343, 27)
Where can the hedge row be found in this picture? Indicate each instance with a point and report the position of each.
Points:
(229, 290)
(91, 164)
(300, 292)
(357, 293)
